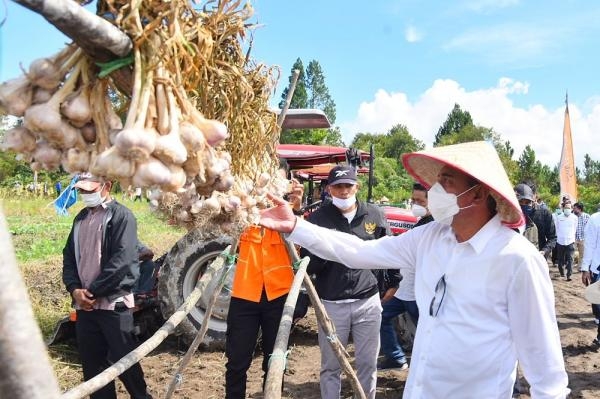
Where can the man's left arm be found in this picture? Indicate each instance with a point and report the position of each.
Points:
(534, 329)
(121, 258)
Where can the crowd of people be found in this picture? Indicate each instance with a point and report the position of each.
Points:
(472, 275)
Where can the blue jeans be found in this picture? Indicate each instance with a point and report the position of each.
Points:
(389, 340)
(596, 308)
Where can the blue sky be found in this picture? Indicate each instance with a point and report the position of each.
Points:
(508, 62)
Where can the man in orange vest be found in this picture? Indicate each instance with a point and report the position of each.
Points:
(262, 280)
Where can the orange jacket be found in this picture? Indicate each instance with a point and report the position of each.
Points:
(263, 261)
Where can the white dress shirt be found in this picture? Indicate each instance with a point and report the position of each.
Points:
(498, 307)
(566, 226)
(591, 244)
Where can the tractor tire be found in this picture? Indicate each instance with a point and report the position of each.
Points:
(183, 266)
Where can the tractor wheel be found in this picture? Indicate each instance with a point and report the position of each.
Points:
(185, 263)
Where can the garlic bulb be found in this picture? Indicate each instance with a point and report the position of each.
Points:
(44, 73)
(151, 172)
(18, 139)
(112, 164)
(75, 160)
(88, 132)
(47, 156)
(176, 180)
(16, 95)
(136, 143)
(41, 95)
(76, 107)
(191, 137)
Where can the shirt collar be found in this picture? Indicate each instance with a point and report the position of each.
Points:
(485, 234)
(480, 239)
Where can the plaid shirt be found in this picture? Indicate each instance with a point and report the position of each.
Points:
(582, 220)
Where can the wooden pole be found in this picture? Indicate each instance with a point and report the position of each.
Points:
(178, 376)
(288, 98)
(98, 38)
(26, 372)
(278, 358)
(151, 343)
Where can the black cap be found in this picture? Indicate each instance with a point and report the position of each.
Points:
(342, 174)
(523, 191)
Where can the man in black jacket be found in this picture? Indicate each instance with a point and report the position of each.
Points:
(541, 217)
(350, 296)
(100, 267)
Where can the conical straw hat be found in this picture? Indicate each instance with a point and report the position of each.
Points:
(592, 293)
(477, 159)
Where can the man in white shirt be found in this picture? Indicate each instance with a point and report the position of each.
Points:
(566, 226)
(590, 263)
(479, 285)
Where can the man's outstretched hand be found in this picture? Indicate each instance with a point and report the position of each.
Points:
(280, 217)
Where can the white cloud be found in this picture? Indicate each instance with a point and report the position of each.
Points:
(537, 126)
(412, 35)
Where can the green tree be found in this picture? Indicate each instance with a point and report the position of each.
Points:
(334, 137)
(457, 119)
(399, 141)
(318, 92)
(529, 167)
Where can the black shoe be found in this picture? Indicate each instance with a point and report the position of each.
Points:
(562, 274)
(596, 342)
(388, 364)
(569, 278)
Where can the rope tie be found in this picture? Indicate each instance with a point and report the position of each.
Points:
(282, 356)
(332, 338)
(229, 258)
(296, 264)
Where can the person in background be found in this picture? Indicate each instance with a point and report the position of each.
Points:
(566, 226)
(145, 282)
(100, 267)
(137, 194)
(557, 212)
(582, 219)
(480, 287)
(58, 188)
(545, 240)
(403, 299)
(263, 277)
(590, 266)
(350, 296)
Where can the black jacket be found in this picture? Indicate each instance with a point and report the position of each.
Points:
(546, 229)
(335, 281)
(119, 259)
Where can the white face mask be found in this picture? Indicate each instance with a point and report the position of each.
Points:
(567, 211)
(442, 205)
(418, 210)
(94, 199)
(342, 204)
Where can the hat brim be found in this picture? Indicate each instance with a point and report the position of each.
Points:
(476, 159)
(88, 185)
(592, 293)
(343, 181)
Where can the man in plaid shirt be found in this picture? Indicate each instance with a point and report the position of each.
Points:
(582, 219)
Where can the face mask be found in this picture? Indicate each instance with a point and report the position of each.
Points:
(92, 200)
(341, 203)
(442, 205)
(558, 212)
(418, 210)
(527, 210)
(567, 212)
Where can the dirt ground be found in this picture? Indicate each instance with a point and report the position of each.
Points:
(204, 377)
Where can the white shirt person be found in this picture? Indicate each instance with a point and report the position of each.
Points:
(484, 295)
